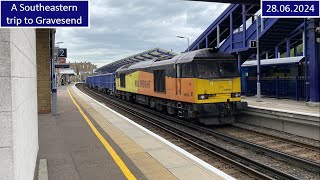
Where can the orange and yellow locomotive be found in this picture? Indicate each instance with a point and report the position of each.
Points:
(202, 85)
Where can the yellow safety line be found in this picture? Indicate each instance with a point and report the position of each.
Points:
(105, 143)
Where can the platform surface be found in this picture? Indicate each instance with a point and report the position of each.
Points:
(71, 149)
(74, 152)
(283, 105)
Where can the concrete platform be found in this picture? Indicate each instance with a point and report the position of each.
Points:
(73, 151)
(290, 116)
(283, 105)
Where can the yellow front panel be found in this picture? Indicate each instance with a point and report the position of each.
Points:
(131, 80)
(222, 88)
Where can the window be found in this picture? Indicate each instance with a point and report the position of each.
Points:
(186, 70)
(228, 69)
(123, 80)
(217, 69)
(159, 78)
(207, 70)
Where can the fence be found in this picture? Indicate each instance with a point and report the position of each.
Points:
(278, 87)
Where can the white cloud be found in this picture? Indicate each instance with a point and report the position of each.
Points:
(122, 28)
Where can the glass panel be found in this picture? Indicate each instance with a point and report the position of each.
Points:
(228, 69)
(217, 69)
(186, 70)
(207, 70)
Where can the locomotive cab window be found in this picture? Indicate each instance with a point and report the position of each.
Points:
(186, 70)
(217, 69)
(228, 69)
(123, 80)
(159, 81)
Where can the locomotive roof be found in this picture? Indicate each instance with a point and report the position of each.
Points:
(201, 54)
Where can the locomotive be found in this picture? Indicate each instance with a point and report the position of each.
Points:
(202, 86)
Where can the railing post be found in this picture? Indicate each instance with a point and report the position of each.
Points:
(277, 87)
(297, 88)
(247, 85)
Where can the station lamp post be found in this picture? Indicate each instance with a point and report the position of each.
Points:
(182, 37)
(258, 58)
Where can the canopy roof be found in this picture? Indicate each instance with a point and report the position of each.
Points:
(152, 54)
(287, 60)
(67, 71)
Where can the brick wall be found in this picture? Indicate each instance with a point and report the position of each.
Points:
(43, 70)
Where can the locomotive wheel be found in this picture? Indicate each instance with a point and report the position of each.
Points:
(128, 98)
(152, 104)
(171, 110)
(159, 107)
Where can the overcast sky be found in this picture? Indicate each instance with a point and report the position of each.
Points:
(120, 28)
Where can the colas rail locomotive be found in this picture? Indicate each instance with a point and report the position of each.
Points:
(202, 85)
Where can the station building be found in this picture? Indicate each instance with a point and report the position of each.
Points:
(25, 91)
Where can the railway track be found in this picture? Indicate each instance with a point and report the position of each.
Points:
(310, 153)
(232, 163)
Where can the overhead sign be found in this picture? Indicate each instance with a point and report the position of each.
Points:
(253, 44)
(46, 14)
(290, 8)
(62, 66)
(62, 52)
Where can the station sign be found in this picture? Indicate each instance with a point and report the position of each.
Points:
(62, 66)
(290, 8)
(44, 13)
(253, 44)
(62, 52)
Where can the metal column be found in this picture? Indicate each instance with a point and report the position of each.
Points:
(207, 43)
(218, 36)
(276, 52)
(288, 48)
(258, 64)
(231, 31)
(239, 62)
(304, 43)
(313, 56)
(244, 24)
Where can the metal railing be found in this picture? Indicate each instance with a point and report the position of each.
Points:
(278, 87)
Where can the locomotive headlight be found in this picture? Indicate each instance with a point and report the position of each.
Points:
(235, 95)
(205, 96)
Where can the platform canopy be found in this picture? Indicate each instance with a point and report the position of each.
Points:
(67, 71)
(287, 60)
(152, 54)
(248, 2)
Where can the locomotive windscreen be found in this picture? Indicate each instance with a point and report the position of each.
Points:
(217, 69)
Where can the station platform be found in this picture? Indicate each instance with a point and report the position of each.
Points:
(286, 115)
(87, 140)
(283, 105)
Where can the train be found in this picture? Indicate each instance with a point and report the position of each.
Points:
(202, 86)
